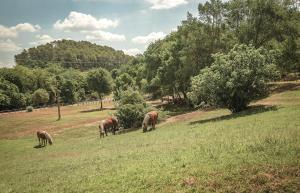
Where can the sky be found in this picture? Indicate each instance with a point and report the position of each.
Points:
(128, 25)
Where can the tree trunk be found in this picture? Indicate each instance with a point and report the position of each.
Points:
(58, 103)
(101, 102)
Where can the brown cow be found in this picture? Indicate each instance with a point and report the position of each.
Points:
(109, 124)
(44, 137)
(150, 118)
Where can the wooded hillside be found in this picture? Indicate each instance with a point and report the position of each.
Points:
(81, 55)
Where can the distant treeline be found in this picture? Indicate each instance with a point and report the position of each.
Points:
(81, 55)
(224, 56)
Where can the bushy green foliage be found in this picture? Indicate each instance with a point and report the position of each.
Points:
(122, 83)
(131, 109)
(100, 81)
(4, 101)
(73, 85)
(131, 96)
(171, 62)
(29, 108)
(10, 97)
(234, 79)
(40, 97)
(131, 115)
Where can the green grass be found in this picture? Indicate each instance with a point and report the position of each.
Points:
(26, 123)
(253, 151)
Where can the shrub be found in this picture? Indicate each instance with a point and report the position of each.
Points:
(29, 108)
(131, 109)
(131, 97)
(40, 97)
(131, 115)
(10, 97)
(234, 79)
(4, 101)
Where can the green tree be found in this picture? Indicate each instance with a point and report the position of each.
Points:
(122, 83)
(10, 98)
(40, 97)
(100, 81)
(235, 79)
(131, 109)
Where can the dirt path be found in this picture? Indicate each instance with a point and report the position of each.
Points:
(93, 122)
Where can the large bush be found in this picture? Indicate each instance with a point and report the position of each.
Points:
(131, 115)
(40, 97)
(10, 97)
(235, 79)
(131, 97)
(131, 109)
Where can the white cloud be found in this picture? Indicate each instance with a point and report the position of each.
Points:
(7, 32)
(166, 4)
(8, 46)
(42, 39)
(132, 52)
(84, 22)
(12, 32)
(148, 38)
(105, 36)
(26, 27)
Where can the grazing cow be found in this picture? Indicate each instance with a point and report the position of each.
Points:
(150, 118)
(109, 124)
(44, 137)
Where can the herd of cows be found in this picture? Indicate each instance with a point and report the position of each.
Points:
(110, 124)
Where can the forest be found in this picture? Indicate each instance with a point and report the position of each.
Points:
(224, 56)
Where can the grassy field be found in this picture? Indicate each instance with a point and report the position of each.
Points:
(257, 150)
(18, 124)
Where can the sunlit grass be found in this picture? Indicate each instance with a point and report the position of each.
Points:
(256, 150)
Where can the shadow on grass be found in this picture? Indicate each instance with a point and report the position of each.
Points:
(98, 109)
(175, 109)
(124, 131)
(250, 111)
(38, 146)
(279, 88)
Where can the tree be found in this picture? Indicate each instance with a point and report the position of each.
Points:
(10, 97)
(72, 86)
(40, 97)
(123, 83)
(235, 79)
(131, 109)
(100, 81)
(273, 24)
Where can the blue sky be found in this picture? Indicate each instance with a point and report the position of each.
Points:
(128, 25)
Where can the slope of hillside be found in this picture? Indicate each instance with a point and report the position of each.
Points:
(253, 151)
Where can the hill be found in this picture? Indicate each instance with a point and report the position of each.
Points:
(81, 55)
(256, 150)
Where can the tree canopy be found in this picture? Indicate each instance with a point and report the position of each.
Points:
(81, 55)
(234, 79)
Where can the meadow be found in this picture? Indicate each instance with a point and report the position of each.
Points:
(257, 150)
